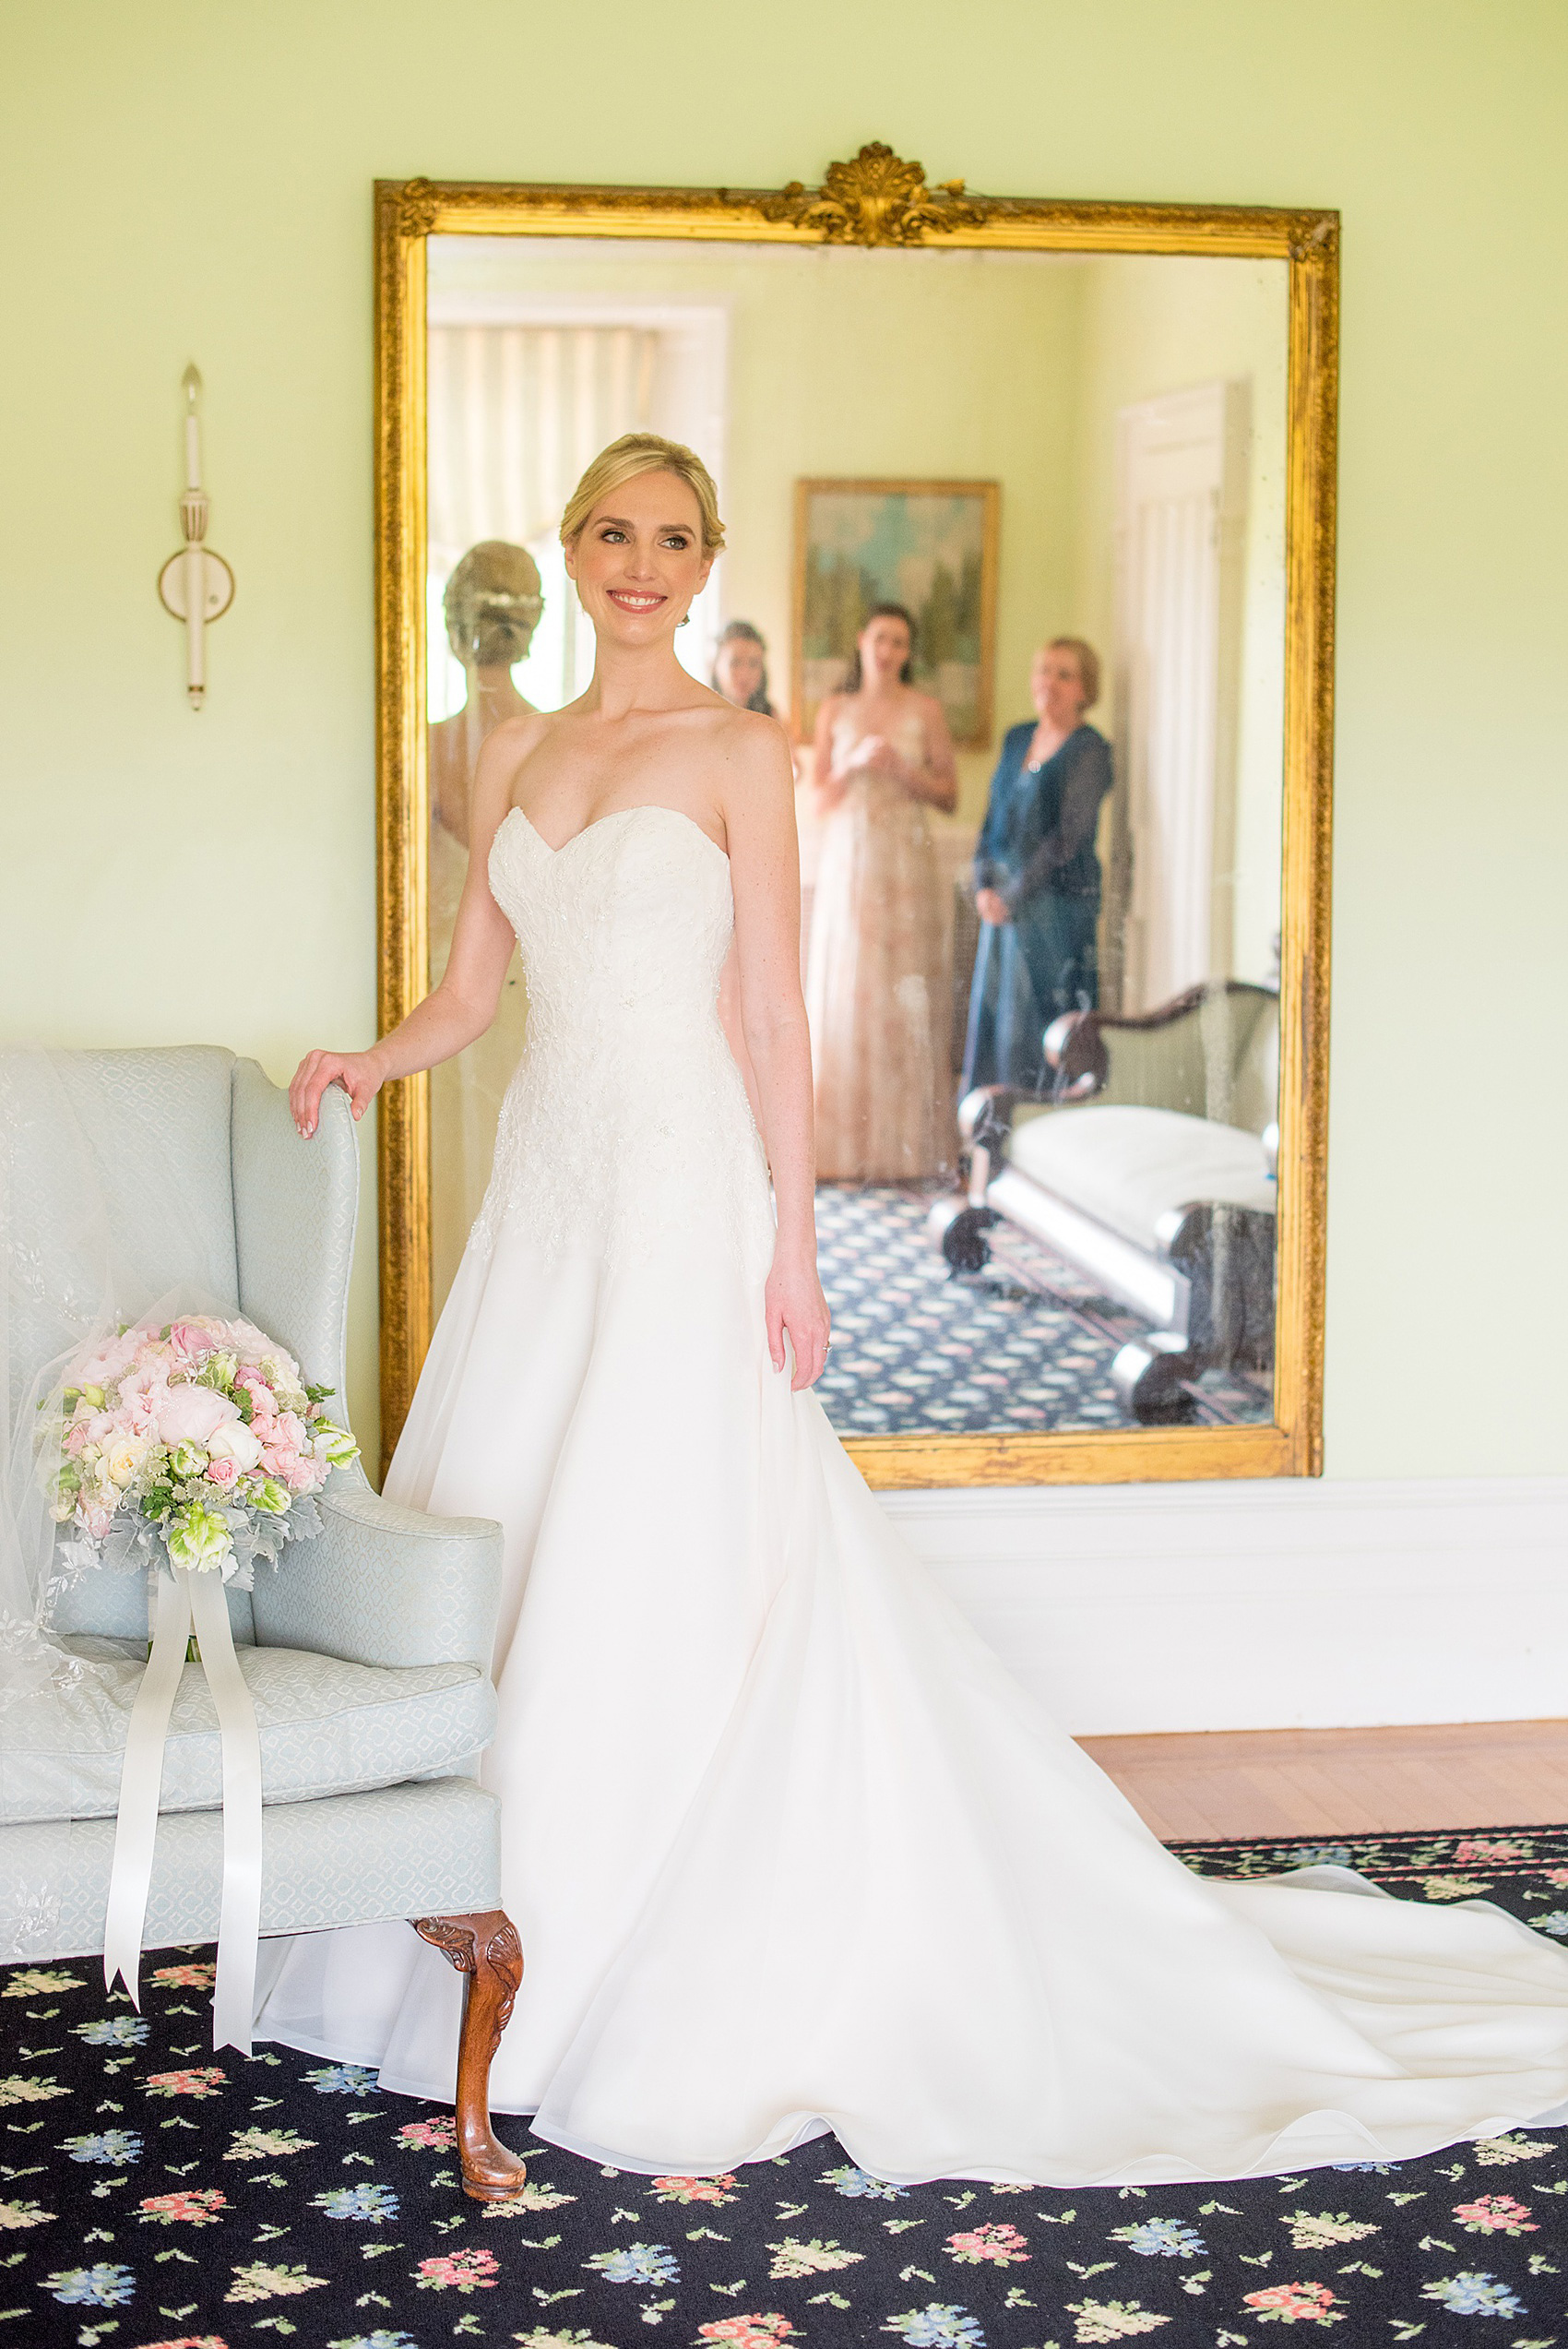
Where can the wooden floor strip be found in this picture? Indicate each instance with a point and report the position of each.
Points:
(1226, 1783)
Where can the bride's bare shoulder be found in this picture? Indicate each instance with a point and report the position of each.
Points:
(509, 746)
(755, 778)
(752, 745)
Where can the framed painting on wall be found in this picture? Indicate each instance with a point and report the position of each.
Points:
(928, 545)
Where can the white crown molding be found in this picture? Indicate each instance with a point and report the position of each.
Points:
(1295, 1604)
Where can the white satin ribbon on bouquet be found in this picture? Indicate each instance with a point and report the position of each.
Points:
(183, 1599)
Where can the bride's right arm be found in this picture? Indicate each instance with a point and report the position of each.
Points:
(464, 1003)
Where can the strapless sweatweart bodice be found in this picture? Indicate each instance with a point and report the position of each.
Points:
(787, 1847)
(627, 1126)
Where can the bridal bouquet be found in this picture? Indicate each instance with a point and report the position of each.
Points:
(200, 1440)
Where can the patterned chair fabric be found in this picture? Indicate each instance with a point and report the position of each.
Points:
(366, 1650)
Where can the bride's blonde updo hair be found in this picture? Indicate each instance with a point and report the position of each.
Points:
(636, 453)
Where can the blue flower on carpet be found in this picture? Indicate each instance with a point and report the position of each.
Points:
(113, 2031)
(935, 2327)
(115, 2145)
(1161, 2240)
(372, 2202)
(638, 2263)
(1365, 2169)
(1321, 1855)
(1474, 2296)
(1557, 1922)
(104, 2286)
(379, 2339)
(342, 2079)
(859, 2182)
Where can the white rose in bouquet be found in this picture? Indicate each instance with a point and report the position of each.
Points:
(122, 1459)
(236, 1441)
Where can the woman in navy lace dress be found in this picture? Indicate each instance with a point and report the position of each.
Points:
(1037, 877)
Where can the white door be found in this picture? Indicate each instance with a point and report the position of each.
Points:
(1181, 474)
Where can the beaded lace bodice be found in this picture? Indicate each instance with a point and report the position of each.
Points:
(627, 1127)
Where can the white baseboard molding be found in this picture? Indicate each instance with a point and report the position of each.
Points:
(1294, 1603)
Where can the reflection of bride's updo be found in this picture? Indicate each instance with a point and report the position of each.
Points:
(636, 453)
(492, 606)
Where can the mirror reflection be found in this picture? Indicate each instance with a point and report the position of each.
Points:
(1007, 557)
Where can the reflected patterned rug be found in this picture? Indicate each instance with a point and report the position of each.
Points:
(918, 1347)
(155, 2195)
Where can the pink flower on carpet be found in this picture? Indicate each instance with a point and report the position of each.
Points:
(1002, 2245)
(459, 2272)
(1495, 2214)
(221, 1472)
(1482, 1848)
(438, 2135)
(1557, 1876)
(199, 1977)
(1295, 2304)
(695, 2190)
(196, 2205)
(749, 2333)
(203, 2080)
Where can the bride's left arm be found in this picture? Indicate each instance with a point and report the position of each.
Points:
(765, 873)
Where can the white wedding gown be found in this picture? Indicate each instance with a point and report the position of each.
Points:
(786, 1846)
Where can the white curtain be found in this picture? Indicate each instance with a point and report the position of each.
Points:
(516, 415)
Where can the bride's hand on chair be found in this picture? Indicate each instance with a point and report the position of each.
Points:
(797, 1309)
(359, 1074)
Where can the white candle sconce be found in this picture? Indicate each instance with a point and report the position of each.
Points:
(196, 585)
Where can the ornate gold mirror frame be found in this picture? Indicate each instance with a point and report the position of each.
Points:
(878, 199)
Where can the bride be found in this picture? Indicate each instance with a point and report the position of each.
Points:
(788, 1848)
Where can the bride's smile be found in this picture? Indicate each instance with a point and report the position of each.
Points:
(640, 559)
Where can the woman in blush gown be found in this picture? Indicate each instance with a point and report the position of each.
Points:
(788, 1848)
(879, 978)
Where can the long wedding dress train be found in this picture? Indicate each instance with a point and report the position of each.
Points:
(786, 1846)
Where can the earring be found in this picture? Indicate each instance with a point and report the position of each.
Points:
(684, 621)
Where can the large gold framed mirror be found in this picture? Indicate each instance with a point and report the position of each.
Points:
(1072, 1216)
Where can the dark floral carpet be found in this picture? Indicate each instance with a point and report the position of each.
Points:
(154, 2196)
(1026, 1345)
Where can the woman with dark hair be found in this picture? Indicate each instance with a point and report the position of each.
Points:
(879, 972)
(740, 668)
(1037, 877)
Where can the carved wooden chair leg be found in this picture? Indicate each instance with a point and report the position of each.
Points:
(485, 1947)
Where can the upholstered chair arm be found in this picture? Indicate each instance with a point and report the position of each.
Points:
(381, 1584)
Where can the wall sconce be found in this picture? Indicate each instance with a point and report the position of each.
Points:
(196, 585)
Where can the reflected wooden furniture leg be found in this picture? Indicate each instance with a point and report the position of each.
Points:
(485, 1947)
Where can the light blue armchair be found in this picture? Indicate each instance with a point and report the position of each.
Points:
(366, 1650)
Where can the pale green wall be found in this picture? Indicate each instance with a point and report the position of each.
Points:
(194, 180)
